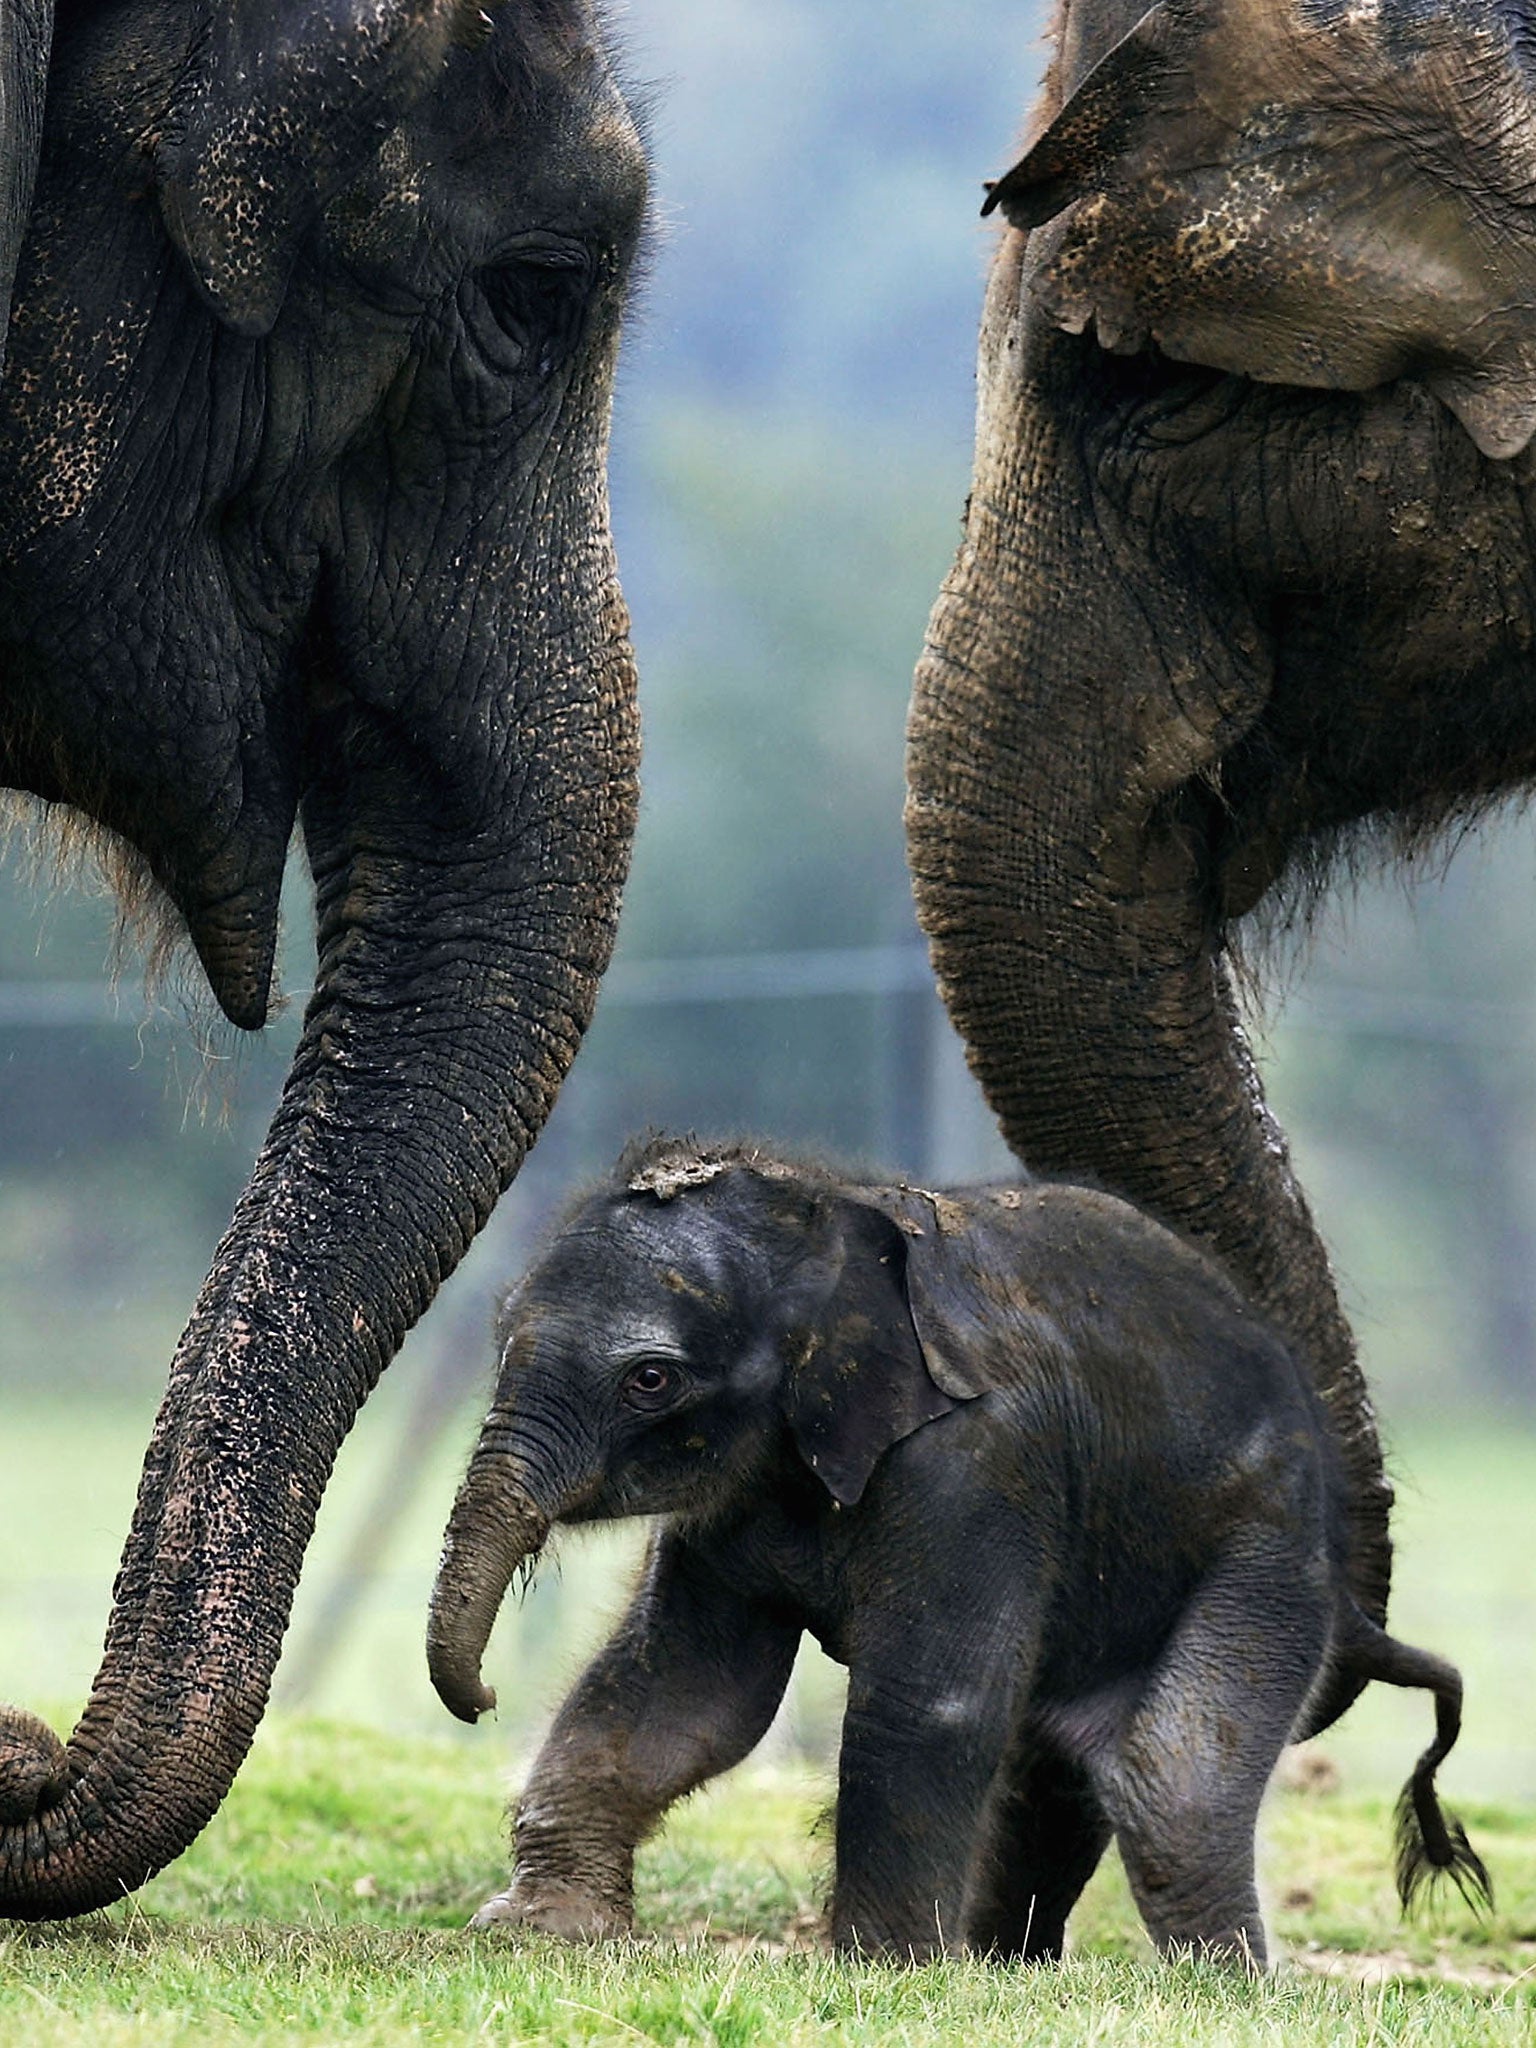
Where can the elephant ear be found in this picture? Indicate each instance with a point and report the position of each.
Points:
(26, 38)
(1305, 192)
(1098, 125)
(283, 102)
(856, 1376)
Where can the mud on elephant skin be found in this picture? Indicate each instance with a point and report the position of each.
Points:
(1246, 579)
(1024, 1461)
(303, 516)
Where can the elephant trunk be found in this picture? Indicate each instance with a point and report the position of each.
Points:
(1062, 708)
(494, 1530)
(461, 940)
(26, 38)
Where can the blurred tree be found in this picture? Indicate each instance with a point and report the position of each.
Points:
(1407, 1071)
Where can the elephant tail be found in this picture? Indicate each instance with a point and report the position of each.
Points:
(1431, 1844)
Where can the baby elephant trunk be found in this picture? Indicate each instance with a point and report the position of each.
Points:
(1431, 1843)
(494, 1530)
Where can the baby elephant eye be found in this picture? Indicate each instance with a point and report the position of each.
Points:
(650, 1384)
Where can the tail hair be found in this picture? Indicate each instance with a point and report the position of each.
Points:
(1431, 1843)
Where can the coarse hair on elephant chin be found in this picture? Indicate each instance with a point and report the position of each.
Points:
(1324, 872)
(59, 848)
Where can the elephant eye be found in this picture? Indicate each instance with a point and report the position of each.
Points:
(650, 1384)
(538, 305)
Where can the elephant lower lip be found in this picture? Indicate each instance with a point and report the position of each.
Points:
(236, 944)
(594, 1504)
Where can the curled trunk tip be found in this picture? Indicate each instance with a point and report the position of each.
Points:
(494, 1529)
(33, 1770)
(456, 1677)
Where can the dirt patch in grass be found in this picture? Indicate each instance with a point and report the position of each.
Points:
(1385, 1966)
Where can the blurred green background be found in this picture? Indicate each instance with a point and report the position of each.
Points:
(791, 458)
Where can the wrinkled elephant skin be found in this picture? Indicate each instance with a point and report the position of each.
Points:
(1246, 573)
(303, 519)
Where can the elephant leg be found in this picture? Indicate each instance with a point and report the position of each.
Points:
(1184, 1783)
(933, 1689)
(687, 1686)
(1048, 1836)
(1083, 679)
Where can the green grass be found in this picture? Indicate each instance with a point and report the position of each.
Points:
(326, 1904)
(327, 1901)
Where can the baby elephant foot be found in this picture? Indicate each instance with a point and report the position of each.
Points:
(564, 1911)
(871, 1943)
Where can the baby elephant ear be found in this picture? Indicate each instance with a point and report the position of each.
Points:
(856, 1379)
(284, 101)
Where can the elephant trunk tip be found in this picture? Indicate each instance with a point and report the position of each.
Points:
(33, 1770)
(494, 1534)
(465, 1699)
(454, 1649)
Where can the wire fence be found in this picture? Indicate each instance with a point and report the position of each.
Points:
(355, 1643)
(821, 972)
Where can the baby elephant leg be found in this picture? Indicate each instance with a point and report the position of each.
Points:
(688, 1684)
(931, 1708)
(1048, 1835)
(916, 1771)
(1184, 1785)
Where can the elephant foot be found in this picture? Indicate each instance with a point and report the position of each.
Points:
(564, 1911)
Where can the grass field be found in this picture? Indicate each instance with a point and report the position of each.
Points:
(326, 1902)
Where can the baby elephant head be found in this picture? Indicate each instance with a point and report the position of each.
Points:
(698, 1324)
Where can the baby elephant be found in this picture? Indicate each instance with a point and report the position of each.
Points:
(1020, 1458)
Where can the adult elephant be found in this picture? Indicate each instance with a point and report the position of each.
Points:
(303, 516)
(1246, 572)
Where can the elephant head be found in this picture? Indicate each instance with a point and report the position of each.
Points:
(703, 1322)
(303, 517)
(1318, 195)
(1246, 574)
